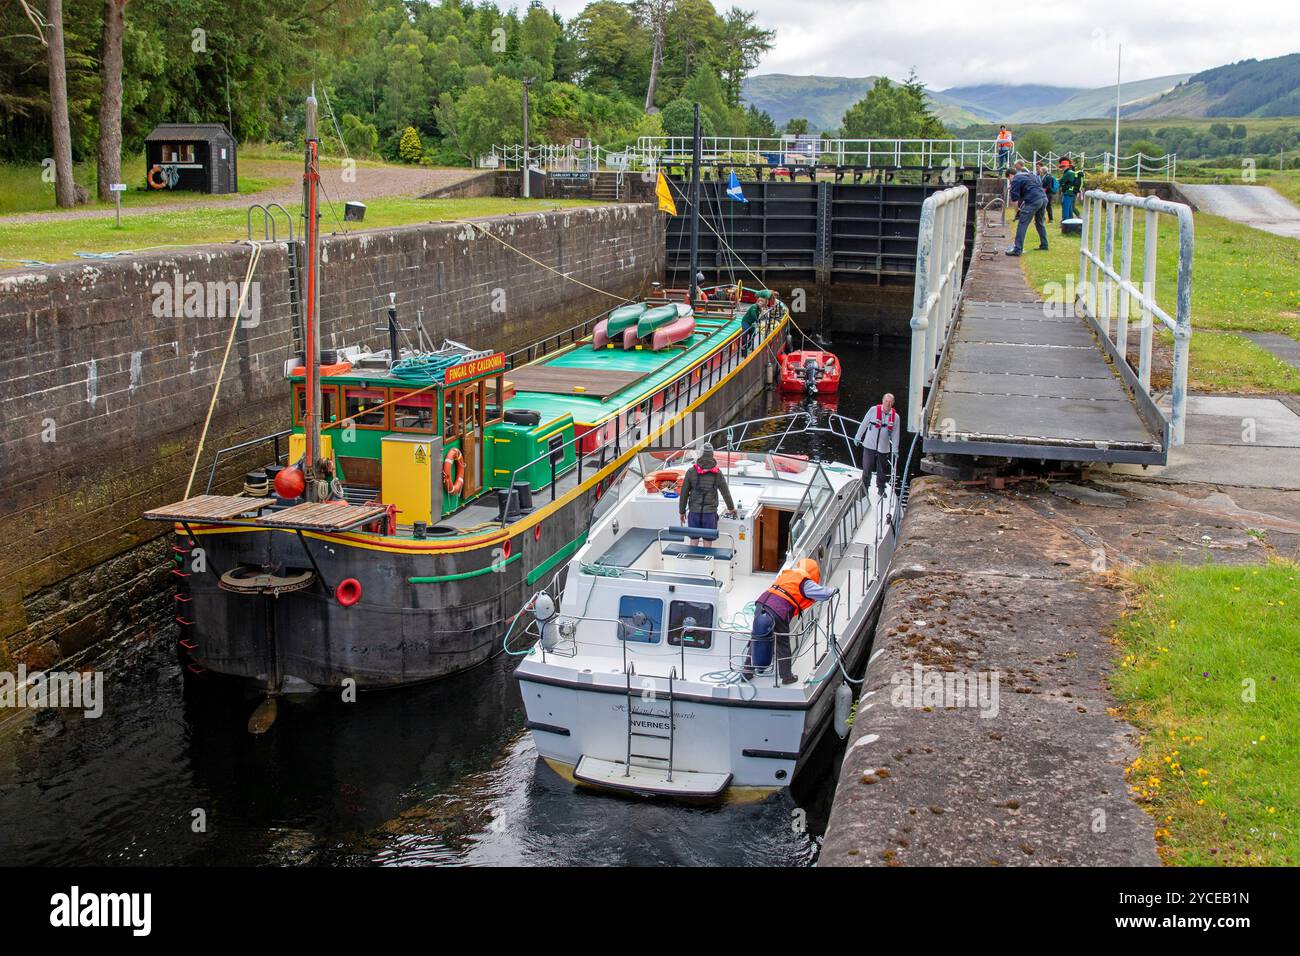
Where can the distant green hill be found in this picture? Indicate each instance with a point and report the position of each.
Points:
(1093, 104)
(822, 100)
(1248, 88)
(1001, 101)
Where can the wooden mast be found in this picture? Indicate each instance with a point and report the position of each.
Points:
(311, 339)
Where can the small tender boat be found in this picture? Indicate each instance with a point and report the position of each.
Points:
(636, 681)
(810, 371)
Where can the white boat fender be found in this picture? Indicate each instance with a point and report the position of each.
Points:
(544, 615)
(843, 707)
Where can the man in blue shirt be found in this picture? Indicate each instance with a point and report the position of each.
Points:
(1027, 193)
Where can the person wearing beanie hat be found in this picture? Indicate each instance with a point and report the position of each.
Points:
(697, 507)
(749, 321)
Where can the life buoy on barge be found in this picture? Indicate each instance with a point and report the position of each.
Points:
(453, 472)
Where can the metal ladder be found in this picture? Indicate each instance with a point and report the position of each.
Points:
(268, 212)
(295, 299)
(649, 761)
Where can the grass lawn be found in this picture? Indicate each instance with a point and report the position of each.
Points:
(1242, 280)
(1210, 673)
(23, 190)
(53, 241)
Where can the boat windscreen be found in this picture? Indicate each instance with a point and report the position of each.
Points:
(819, 494)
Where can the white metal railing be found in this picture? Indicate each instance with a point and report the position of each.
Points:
(1106, 291)
(1141, 166)
(807, 151)
(650, 152)
(941, 244)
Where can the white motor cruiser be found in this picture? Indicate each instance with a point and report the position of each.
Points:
(637, 677)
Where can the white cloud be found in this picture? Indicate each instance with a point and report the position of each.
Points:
(960, 43)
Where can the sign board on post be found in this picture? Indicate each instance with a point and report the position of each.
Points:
(117, 189)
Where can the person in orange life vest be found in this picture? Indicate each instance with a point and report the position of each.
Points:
(1005, 144)
(879, 437)
(795, 590)
(703, 483)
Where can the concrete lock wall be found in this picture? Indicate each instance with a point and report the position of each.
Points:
(107, 376)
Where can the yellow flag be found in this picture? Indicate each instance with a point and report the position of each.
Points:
(666, 203)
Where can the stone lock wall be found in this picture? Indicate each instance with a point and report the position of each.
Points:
(107, 375)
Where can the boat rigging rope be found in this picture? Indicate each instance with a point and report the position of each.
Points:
(562, 275)
(230, 340)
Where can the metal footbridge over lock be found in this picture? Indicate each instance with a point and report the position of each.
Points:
(997, 373)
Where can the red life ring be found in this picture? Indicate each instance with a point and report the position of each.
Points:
(348, 592)
(453, 472)
(159, 171)
(665, 479)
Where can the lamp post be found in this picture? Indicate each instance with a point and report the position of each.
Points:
(528, 81)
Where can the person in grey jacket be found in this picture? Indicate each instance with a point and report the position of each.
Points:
(879, 437)
(703, 483)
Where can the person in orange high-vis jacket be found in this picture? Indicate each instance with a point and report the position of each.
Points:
(795, 590)
(1005, 145)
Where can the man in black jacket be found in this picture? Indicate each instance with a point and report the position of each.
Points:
(1027, 193)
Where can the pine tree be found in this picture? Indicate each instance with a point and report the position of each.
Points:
(410, 149)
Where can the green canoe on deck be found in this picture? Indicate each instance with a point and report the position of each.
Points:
(623, 317)
(652, 319)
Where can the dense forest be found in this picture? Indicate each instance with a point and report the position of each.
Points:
(451, 70)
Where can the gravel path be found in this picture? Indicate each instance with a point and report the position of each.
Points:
(370, 182)
(1259, 206)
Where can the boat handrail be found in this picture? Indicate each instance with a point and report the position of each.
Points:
(641, 416)
(222, 452)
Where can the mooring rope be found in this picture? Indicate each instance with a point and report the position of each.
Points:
(562, 275)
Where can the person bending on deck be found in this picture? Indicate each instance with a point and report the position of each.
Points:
(750, 320)
(794, 591)
(1027, 193)
(704, 481)
(879, 436)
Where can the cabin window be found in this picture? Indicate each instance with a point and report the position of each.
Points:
(493, 406)
(689, 623)
(413, 413)
(177, 153)
(640, 619)
(451, 415)
(365, 406)
(329, 408)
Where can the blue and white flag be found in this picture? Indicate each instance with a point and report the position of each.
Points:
(733, 188)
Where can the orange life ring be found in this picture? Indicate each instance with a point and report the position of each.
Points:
(665, 479)
(157, 185)
(453, 472)
(348, 592)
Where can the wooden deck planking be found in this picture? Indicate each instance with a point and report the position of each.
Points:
(209, 508)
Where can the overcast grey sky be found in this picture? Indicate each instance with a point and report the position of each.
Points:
(962, 42)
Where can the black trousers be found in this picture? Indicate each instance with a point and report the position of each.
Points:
(1048, 207)
(781, 635)
(877, 462)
